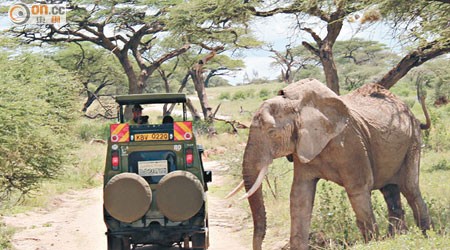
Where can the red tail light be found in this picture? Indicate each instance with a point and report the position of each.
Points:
(189, 157)
(115, 159)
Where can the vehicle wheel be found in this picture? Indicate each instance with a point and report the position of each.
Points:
(199, 241)
(127, 197)
(180, 195)
(118, 243)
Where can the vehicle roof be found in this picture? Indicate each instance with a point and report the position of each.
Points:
(150, 98)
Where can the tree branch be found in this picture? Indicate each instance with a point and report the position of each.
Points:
(311, 48)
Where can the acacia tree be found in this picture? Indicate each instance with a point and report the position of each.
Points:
(332, 13)
(131, 31)
(292, 60)
(214, 26)
(98, 71)
(425, 26)
(360, 61)
(127, 31)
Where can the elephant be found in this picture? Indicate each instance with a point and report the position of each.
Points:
(365, 140)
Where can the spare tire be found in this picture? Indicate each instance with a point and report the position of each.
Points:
(127, 197)
(179, 195)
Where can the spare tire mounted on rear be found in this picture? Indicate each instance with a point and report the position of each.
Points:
(179, 195)
(127, 197)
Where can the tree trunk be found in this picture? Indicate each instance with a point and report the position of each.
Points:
(197, 77)
(199, 85)
(329, 67)
(325, 54)
(133, 82)
(192, 109)
(413, 59)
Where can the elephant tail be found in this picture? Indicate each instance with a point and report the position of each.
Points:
(421, 98)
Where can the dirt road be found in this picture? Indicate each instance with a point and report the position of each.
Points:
(75, 221)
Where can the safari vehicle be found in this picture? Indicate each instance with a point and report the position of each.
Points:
(154, 182)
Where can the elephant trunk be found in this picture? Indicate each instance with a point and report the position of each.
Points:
(257, 207)
(255, 162)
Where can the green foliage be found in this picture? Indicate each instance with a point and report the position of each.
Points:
(264, 93)
(239, 95)
(201, 127)
(224, 20)
(333, 217)
(37, 111)
(93, 67)
(217, 81)
(411, 240)
(88, 130)
(424, 19)
(224, 95)
(6, 234)
(360, 62)
(443, 164)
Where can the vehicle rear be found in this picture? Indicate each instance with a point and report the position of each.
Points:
(155, 186)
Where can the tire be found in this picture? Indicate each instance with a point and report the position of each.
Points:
(199, 241)
(118, 201)
(118, 243)
(179, 195)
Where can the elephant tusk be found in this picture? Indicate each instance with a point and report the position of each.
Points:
(235, 190)
(257, 183)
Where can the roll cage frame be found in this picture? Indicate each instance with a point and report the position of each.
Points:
(128, 100)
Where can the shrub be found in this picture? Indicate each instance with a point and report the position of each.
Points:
(224, 95)
(95, 129)
(443, 164)
(36, 112)
(6, 234)
(239, 95)
(250, 93)
(264, 93)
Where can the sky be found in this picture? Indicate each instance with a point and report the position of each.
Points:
(278, 31)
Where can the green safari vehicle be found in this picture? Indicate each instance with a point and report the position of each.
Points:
(154, 182)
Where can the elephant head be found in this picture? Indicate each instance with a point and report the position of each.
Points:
(300, 121)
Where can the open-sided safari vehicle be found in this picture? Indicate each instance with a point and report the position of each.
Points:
(154, 183)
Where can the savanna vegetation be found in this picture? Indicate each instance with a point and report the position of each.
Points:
(56, 97)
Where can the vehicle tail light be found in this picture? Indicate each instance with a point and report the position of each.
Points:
(115, 160)
(189, 157)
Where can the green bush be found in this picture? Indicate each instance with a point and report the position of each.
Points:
(250, 93)
(443, 164)
(88, 130)
(201, 127)
(37, 111)
(239, 95)
(6, 234)
(264, 93)
(224, 95)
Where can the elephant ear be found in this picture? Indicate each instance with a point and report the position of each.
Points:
(322, 118)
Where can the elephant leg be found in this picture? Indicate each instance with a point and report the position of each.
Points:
(410, 189)
(302, 199)
(365, 218)
(391, 195)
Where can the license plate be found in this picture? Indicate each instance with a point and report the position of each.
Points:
(152, 168)
(152, 137)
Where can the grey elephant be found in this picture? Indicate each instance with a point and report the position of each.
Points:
(365, 140)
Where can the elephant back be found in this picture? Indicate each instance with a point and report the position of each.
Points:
(380, 108)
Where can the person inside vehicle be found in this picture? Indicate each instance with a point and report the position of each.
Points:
(167, 119)
(138, 118)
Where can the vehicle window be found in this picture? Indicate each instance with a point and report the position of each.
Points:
(141, 156)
